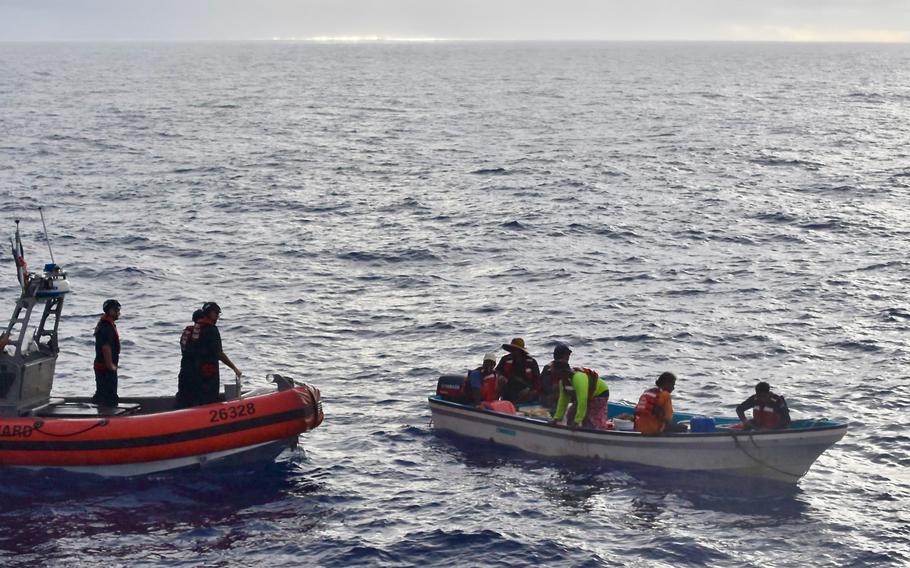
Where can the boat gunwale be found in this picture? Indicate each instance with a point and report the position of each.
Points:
(681, 436)
(277, 417)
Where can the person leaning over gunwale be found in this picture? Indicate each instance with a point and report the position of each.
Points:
(589, 393)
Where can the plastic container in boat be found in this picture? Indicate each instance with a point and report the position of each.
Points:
(620, 424)
(702, 424)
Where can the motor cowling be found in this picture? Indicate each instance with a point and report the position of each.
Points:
(452, 388)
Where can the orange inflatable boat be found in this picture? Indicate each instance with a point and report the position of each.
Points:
(140, 435)
(143, 435)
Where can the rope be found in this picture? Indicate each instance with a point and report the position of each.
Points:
(39, 424)
(758, 461)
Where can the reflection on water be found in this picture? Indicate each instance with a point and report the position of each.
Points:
(577, 483)
(43, 508)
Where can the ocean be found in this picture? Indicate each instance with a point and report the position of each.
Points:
(372, 215)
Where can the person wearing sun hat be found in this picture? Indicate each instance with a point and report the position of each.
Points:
(521, 373)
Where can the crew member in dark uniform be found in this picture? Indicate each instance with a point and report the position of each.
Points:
(205, 351)
(107, 355)
(185, 392)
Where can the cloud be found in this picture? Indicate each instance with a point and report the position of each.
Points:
(796, 20)
(817, 34)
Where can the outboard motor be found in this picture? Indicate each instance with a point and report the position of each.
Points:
(452, 388)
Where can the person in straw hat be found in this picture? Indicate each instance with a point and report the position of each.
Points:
(521, 373)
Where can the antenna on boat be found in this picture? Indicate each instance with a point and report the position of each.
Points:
(46, 238)
(19, 259)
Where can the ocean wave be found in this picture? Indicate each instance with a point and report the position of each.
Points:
(787, 162)
(367, 236)
(409, 255)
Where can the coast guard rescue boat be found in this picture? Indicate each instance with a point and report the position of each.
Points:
(141, 435)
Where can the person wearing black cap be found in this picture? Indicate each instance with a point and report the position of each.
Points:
(204, 351)
(549, 382)
(521, 372)
(107, 355)
(186, 395)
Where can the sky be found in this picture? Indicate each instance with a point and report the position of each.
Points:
(711, 20)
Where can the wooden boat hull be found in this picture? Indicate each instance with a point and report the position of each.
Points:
(780, 455)
(249, 428)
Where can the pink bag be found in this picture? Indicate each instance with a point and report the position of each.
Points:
(503, 406)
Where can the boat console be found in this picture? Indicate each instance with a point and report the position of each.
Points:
(28, 357)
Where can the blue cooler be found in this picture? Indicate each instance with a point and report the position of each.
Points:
(702, 424)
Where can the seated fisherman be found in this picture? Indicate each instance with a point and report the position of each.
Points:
(654, 411)
(586, 390)
(769, 410)
(481, 383)
(549, 385)
(521, 373)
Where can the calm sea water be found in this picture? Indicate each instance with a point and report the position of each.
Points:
(370, 216)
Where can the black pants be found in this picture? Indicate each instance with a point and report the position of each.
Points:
(106, 388)
(514, 389)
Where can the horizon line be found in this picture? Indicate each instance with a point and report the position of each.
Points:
(421, 39)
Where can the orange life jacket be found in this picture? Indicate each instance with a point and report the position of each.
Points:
(765, 416)
(647, 402)
(485, 383)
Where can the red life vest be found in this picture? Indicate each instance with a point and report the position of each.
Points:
(99, 364)
(489, 389)
(765, 416)
(197, 327)
(647, 402)
(185, 336)
(208, 369)
(508, 366)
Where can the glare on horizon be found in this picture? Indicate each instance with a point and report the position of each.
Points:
(880, 21)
